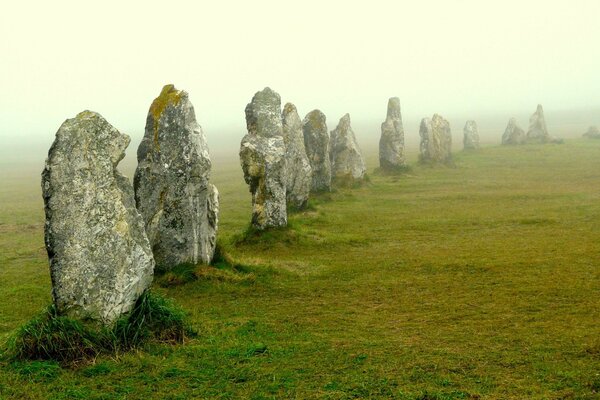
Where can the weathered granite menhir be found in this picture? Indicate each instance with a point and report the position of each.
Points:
(471, 136)
(298, 176)
(316, 142)
(262, 156)
(347, 165)
(172, 190)
(538, 132)
(513, 134)
(100, 257)
(436, 141)
(391, 143)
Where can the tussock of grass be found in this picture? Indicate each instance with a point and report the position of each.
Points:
(267, 237)
(50, 336)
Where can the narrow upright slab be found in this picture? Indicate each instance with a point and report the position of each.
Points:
(316, 142)
(538, 132)
(100, 257)
(471, 136)
(391, 143)
(436, 141)
(347, 164)
(513, 134)
(172, 190)
(298, 169)
(262, 157)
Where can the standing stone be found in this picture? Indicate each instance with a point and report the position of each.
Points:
(436, 140)
(298, 170)
(471, 136)
(592, 133)
(513, 133)
(537, 127)
(262, 156)
(347, 165)
(316, 142)
(391, 143)
(100, 257)
(172, 190)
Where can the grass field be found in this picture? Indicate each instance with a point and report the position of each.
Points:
(479, 281)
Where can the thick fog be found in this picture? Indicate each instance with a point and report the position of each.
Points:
(463, 59)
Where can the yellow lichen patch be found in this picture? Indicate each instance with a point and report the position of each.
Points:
(168, 96)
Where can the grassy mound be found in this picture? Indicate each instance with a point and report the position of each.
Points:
(50, 336)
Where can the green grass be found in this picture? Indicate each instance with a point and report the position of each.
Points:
(476, 281)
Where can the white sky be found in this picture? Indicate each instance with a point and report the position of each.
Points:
(459, 57)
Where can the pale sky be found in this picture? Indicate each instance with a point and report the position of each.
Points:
(457, 58)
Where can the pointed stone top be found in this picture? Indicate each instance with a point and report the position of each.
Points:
(289, 108)
(168, 96)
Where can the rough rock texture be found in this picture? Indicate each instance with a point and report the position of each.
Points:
(316, 142)
(262, 156)
(347, 165)
(537, 127)
(391, 143)
(513, 133)
(436, 140)
(592, 133)
(298, 170)
(172, 190)
(100, 257)
(471, 136)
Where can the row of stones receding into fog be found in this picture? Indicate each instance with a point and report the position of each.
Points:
(105, 236)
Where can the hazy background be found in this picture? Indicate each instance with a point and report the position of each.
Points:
(465, 59)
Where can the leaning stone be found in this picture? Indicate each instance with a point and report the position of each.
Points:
(513, 134)
(592, 133)
(262, 156)
(436, 141)
(172, 190)
(391, 143)
(347, 165)
(298, 170)
(471, 136)
(538, 133)
(100, 257)
(316, 142)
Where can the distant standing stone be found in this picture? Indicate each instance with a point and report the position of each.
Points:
(316, 142)
(298, 170)
(471, 136)
(262, 156)
(391, 143)
(537, 127)
(513, 134)
(172, 190)
(100, 257)
(592, 133)
(436, 140)
(347, 165)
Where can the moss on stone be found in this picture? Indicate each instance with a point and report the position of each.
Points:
(168, 96)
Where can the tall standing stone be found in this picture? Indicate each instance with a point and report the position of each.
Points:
(100, 257)
(471, 135)
(391, 143)
(513, 134)
(262, 156)
(436, 140)
(172, 190)
(316, 142)
(298, 169)
(538, 132)
(347, 165)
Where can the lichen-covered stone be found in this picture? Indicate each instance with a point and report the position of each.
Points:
(347, 165)
(391, 143)
(298, 170)
(100, 257)
(172, 190)
(316, 143)
(513, 134)
(538, 133)
(262, 156)
(592, 133)
(436, 140)
(471, 136)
